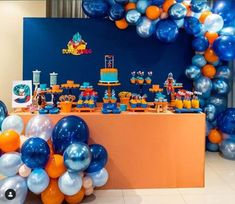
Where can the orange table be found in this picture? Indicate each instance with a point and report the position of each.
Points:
(149, 150)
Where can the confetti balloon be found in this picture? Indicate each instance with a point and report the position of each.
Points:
(203, 85)
(145, 27)
(133, 17)
(193, 72)
(177, 11)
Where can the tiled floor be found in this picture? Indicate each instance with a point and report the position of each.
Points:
(220, 189)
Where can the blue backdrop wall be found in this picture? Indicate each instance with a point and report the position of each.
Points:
(45, 38)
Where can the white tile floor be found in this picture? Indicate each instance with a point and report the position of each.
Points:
(220, 189)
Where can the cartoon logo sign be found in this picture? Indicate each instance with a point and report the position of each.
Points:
(77, 46)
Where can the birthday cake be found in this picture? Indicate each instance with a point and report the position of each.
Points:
(109, 74)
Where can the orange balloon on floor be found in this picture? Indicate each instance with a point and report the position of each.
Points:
(167, 4)
(210, 56)
(215, 136)
(9, 141)
(55, 166)
(209, 71)
(153, 12)
(52, 194)
(121, 24)
(204, 15)
(211, 36)
(77, 198)
(130, 6)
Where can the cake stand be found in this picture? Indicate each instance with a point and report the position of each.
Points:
(109, 86)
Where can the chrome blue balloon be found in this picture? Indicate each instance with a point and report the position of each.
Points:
(133, 17)
(226, 121)
(95, 8)
(35, 153)
(227, 148)
(203, 85)
(10, 164)
(220, 102)
(193, 72)
(198, 6)
(158, 2)
(179, 1)
(211, 147)
(227, 31)
(99, 178)
(209, 126)
(3, 112)
(179, 23)
(167, 30)
(199, 60)
(192, 25)
(70, 183)
(111, 2)
(200, 44)
(38, 181)
(99, 158)
(16, 183)
(210, 111)
(116, 12)
(145, 27)
(133, 1)
(220, 86)
(177, 11)
(122, 1)
(223, 72)
(77, 157)
(68, 130)
(224, 47)
(142, 5)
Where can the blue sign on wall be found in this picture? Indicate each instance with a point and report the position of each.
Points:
(45, 38)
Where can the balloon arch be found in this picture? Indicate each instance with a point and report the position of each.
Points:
(214, 38)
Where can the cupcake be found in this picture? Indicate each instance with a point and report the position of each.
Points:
(140, 80)
(148, 80)
(143, 104)
(91, 104)
(133, 80)
(133, 103)
(80, 103)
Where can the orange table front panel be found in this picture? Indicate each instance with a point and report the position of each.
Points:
(149, 150)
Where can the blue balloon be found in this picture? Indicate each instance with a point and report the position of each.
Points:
(68, 130)
(99, 158)
(203, 85)
(227, 148)
(99, 178)
(77, 157)
(227, 31)
(111, 2)
(3, 112)
(16, 183)
(177, 11)
(116, 12)
(200, 44)
(145, 27)
(192, 25)
(35, 153)
(199, 60)
(209, 127)
(179, 23)
(167, 30)
(224, 47)
(202, 102)
(142, 5)
(210, 111)
(220, 102)
(193, 72)
(220, 86)
(158, 2)
(133, 1)
(133, 17)
(95, 8)
(70, 183)
(122, 1)
(198, 6)
(223, 72)
(10, 164)
(226, 121)
(38, 181)
(179, 1)
(211, 147)
(202, 32)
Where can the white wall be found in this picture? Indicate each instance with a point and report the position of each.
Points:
(11, 41)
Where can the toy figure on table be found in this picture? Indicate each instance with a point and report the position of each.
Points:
(110, 103)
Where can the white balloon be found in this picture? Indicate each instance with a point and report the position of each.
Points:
(13, 122)
(214, 23)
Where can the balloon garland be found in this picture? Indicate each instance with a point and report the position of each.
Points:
(54, 162)
(214, 41)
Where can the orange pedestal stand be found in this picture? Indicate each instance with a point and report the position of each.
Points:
(149, 150)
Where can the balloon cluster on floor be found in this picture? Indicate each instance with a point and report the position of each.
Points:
(214, 40)
(54, 162)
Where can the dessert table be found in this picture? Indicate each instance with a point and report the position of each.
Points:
(148, 150)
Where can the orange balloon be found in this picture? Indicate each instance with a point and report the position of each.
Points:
(121, 24)
(153, 12)
(52, 194)
(77, 198)
(210, 56)
(130, 6)
(9, 141)
(215, 136)
(209, 71)
(204, 15)
(55, 166)
(49, 142)
(167, 4)
(211, 36)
